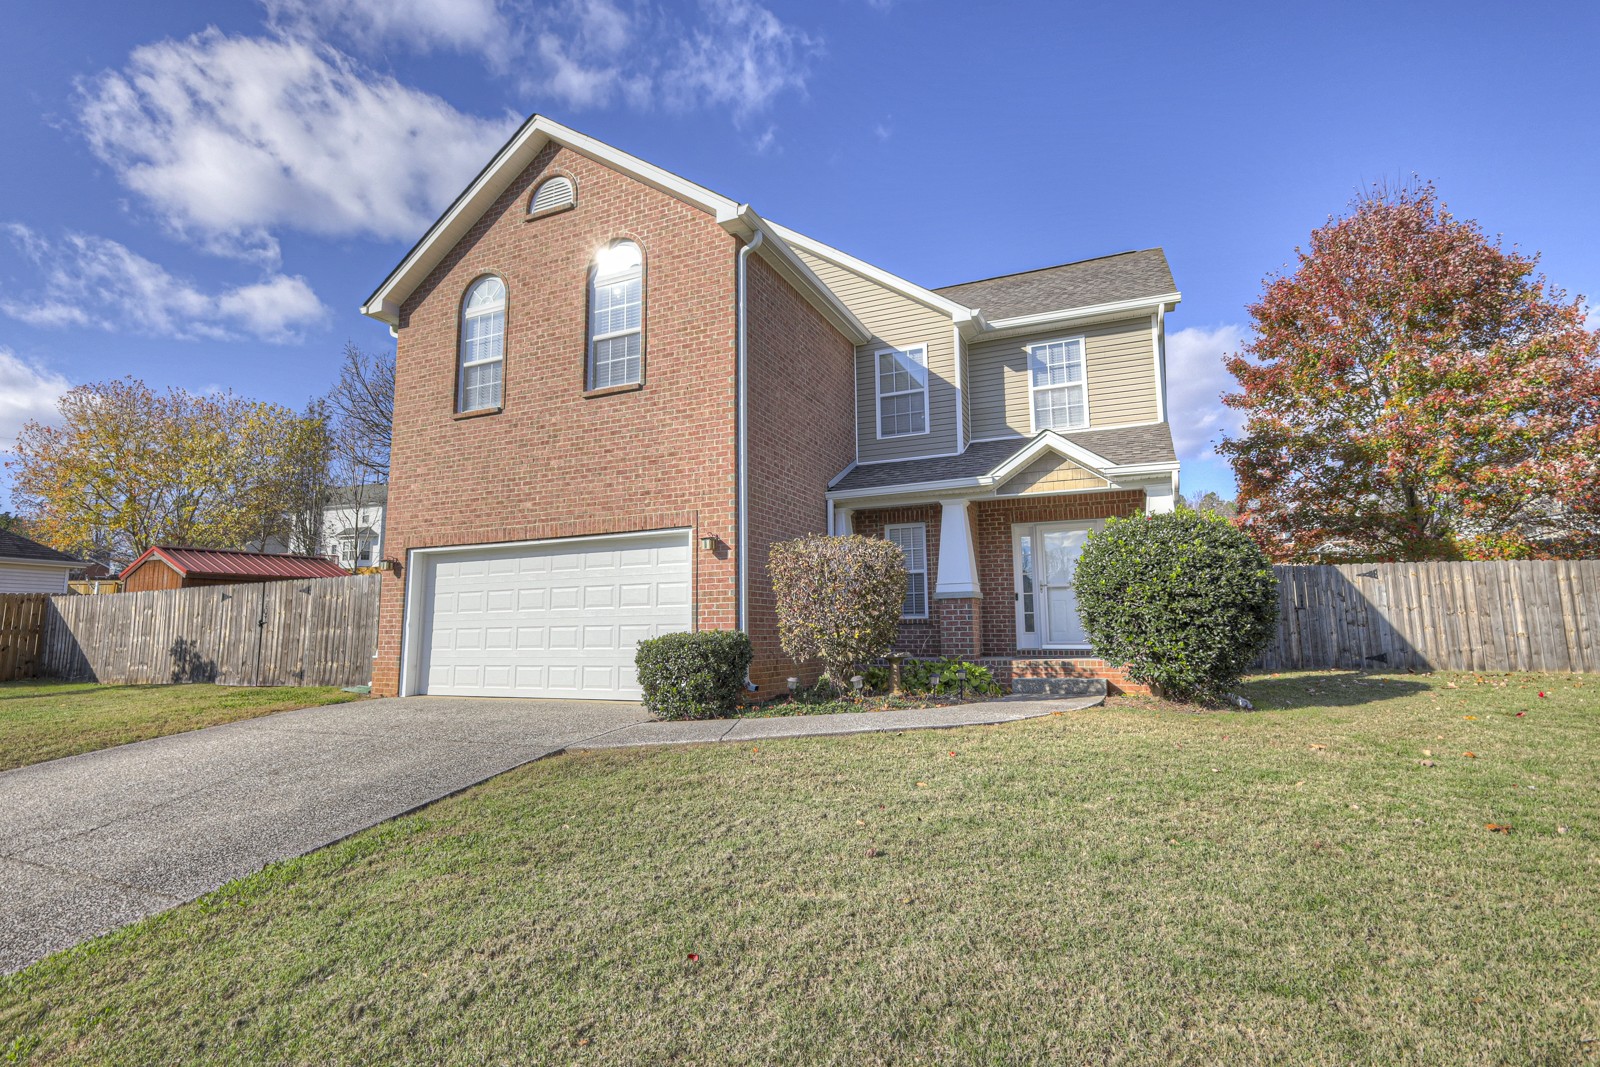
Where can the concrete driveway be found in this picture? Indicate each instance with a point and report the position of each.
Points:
(92, 842)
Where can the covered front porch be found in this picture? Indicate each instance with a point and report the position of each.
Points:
(990, 563)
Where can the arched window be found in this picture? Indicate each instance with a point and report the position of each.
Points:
(483, 345)
(616, 317)
(552, 195)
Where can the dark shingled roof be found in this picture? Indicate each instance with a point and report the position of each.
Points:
(1125, 276)
(14, 546)
(1135, 444)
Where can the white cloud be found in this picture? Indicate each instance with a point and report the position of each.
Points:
(1195, 380)
(229, 138)
(94, 281)
(28, 392)
(742, 58)
(422, 25)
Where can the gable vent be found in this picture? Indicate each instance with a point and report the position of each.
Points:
(553, 194)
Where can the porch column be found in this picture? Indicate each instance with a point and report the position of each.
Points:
(957, 598)
(844, 523)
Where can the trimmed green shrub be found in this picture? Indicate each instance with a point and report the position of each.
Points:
(916, 676)
(838, 601)
(1185, 601)
(693, 676)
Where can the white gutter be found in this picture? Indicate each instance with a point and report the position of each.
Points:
(743, 548)
(1049, 318)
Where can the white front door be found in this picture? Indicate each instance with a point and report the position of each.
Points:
(1046, 555)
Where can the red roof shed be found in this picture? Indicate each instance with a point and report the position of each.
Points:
(166, 567)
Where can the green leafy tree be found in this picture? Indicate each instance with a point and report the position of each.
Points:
(1416, 391)
(838, 601)
(1184, 601)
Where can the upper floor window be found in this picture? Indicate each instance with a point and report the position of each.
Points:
(902, 391)
(552, 195)
(616, 317)
(483, 345)
(912, 537)
(1056, 385)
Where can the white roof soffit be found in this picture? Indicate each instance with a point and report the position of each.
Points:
(511, 160)
(959, 313)
(1067, 316)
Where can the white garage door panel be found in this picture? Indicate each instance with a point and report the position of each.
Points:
(550, 620)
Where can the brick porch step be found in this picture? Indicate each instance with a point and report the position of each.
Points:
(1043, 674)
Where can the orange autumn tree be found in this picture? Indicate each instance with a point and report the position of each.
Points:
(1414, 391)
(125, 467)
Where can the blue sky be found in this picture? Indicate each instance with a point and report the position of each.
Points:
(201, 194)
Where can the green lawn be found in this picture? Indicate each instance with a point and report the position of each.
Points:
(1132, 884)
(48, 720)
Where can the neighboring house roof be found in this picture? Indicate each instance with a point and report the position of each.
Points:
(513, 158)
(14, 548)
(1125, 447)
(351, 531)
(1112, 279)
(372, 495)
(236, 563)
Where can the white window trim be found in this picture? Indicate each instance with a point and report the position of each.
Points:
(927, 594)
(879, 395)
(595, 338)
(1083, 358)
(461, 346)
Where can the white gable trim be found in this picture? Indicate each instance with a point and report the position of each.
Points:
(959, 313)
(744, 223)
(510, 161)
(1050, 441)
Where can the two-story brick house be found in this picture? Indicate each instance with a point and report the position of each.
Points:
(616, 388)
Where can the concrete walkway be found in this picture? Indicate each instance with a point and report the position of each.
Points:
(93, 842)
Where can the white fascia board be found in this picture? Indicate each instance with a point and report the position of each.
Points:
(1065, 316)
(1144, 468)
(960, 314)
(513, 157)
(837, 478)
(43, 564)
(743, 222)
(1052, 442)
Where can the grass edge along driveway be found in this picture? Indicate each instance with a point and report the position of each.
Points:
(1313, 882)
(45, 720)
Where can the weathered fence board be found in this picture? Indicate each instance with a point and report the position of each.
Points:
(309, 632)
(21, 628)
(1500, 616)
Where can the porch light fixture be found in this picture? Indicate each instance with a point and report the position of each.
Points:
(708, 543)
(388, 565)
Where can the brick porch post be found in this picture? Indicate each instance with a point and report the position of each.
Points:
(958, 602)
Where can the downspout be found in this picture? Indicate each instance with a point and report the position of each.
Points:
(743, 440)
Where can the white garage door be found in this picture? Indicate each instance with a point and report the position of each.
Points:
(558, 619)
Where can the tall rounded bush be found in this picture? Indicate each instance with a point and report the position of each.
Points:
(1185, 601)
(838, 600)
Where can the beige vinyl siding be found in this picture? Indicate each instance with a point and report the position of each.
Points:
(1119, 359)
(1050, 474)
(896, 322)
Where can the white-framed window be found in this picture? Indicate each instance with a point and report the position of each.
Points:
(553, 194)
(912, 537)
(902, 377)
(483, 345)
(1057, 389)
(616, 317)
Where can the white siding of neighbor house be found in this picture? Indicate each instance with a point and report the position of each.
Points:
(25, 578)
(1119, 363)
(897, 321)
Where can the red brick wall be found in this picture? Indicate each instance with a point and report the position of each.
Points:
(994, 519)
(802, 397)
(918, 637)
(552, 462)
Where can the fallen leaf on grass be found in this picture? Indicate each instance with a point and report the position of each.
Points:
(861, 822)
(873, 853)
(1469, 755)
(1561, 829)
(1472, 717)
(1497, 828)
(1429, 763)
(1316, 748)
(694, 957)
(1427, 752)
(1541, 695)
(1520, 714)
(922, 785)
(1451, 685)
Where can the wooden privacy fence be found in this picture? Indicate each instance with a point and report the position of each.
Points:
(21, 627)
(308, 632)
(1505, 616)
